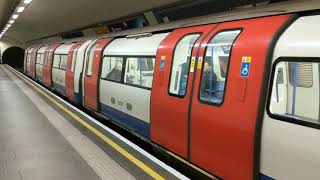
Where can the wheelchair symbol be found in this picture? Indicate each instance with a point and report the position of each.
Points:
(245, 69)
(162, 64)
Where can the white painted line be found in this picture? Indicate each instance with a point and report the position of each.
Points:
(137, 148)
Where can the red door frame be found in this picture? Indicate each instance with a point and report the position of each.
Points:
(91, 87)
(222, 137)
(69, 73)
(47, 65)
(169, 113)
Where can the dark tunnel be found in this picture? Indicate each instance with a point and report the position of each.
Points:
(13, 56)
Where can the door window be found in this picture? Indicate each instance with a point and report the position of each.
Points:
(215, 66)
(180, 65)
(91, 59)
(299, 99)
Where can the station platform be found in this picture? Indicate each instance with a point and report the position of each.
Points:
(43, 137)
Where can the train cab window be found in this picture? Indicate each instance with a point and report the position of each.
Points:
(63, 63)
(139, 71)
(91, 59)
(56, 61)
(74, 57)
(215, 66)
(112, 68)
(296, 95)
(180, 65)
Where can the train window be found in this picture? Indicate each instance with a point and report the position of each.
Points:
(41, 58)
(139, 71)
(56, 61)
(112, 68)
(180, 65)
(74, 57)
(38, 58)
(303, 73)
(296, 95)
(215, 65)
(63, 64)
(91, 59)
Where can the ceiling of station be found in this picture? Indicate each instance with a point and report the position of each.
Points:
(47, 17)
(6, 6)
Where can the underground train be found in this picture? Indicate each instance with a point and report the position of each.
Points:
(236, 95)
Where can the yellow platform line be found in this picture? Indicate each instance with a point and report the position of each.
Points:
(122, 151)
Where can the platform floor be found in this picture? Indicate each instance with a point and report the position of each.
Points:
(41, 138)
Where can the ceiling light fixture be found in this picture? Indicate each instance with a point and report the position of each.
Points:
(27, 1)
(20, 9)
(15, 16)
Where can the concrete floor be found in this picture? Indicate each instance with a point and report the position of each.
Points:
(39, 141)
(30, 147)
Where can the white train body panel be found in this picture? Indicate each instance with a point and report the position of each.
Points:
(39, 62)
(129, 104)
(124, 95)
(59, 70)
(81, 54)
(290, 150)
(145, 46)
(84, 50)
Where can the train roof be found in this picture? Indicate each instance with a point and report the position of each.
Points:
(238, 14)
(285, 7)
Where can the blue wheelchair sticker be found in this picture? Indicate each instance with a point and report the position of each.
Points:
(245, 66)
(162, 63)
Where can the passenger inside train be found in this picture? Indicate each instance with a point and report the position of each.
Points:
(115, 73)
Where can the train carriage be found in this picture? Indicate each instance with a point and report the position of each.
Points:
(237, 96)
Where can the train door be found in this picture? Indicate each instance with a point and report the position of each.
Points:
(47, 67)
(71, 64)
(33, 62)
(91, 76)
(225, 102)
(170, 101)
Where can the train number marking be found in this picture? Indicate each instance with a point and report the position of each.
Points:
(245, 67)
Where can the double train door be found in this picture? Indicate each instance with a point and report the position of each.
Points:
(71, 64)
(210, 119)
(170, 105)
(91, 76)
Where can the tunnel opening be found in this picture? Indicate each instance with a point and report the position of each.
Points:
(13, 56)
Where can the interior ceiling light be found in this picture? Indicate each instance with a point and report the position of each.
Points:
(9, 25)
(27, 1)
(20, 9)
(11, 21)
(15, 16)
